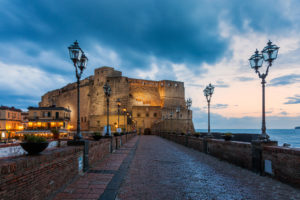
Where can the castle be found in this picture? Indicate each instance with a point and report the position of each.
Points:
(149, 104)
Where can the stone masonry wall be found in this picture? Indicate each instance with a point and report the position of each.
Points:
(238, 153)
(285, 163)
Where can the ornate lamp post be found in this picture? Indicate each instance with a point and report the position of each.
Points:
(119, 105)
(268, 54)
(171, 117)
(107, 91)
(177, 113)
(127, 113)
(208, 91)
(188, 105)
(79, 60)
(124, 113)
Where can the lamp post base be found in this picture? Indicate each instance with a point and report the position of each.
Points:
(264, 137)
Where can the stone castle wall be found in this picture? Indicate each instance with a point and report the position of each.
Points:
(147, 101)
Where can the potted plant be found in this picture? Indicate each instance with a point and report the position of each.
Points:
(227, 136)
(34, 144)
(196, 135)
(97, 135)
(55, 133)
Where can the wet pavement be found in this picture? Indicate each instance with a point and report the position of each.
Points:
(161, 169)
(152, 168)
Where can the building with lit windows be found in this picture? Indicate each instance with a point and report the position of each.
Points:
(10, 121)
(41, 120)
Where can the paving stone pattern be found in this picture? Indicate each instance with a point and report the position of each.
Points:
(165, 170)
(160, 169)
(93, 183)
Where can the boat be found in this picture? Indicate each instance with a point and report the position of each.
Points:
(297, 127)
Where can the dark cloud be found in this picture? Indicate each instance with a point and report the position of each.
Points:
(220, 122)
(171, 31)
(181, 32)
(219, 106)
(244, 79)
(285, 80)
(221, 84)
(283, 113)
(293, 100)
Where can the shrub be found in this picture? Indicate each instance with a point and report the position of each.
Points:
(97, 134)
(34, 139)
(116, 134)
(228, 134)
(196, 134)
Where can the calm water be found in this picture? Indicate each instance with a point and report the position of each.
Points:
(290, 136)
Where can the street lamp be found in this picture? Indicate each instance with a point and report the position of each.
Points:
(208, 91)
(177, 113)
(188, 105)
(79, 60)
(107, 91)
(119, 105)
(127, 122)
(171, 117)
(268, 54)
(124, 113)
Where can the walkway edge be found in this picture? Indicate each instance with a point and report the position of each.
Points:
(112, 189)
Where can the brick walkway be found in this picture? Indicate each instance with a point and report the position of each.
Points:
(96, 181)
(160, 169)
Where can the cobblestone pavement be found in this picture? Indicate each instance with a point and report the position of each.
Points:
(165, 170)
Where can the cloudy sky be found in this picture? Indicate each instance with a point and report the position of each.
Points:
(195, 41)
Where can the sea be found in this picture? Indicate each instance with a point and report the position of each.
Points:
(289, 136)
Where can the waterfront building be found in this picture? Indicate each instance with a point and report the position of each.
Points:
(10, 121)
(42, 120)
(146, 102)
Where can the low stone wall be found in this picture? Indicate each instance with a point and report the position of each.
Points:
(40, 176)
(98, 149)
(282, 163)
(36, 177)
(278, 162)
(238, 153)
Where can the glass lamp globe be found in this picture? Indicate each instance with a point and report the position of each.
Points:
(75, 51)
(256, 60)
(270, 52)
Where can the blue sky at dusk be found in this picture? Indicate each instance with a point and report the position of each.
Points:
(195, 41)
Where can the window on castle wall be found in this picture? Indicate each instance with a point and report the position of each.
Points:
(147, 114)
(155, 115)
(138, 115)
(84, 119)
